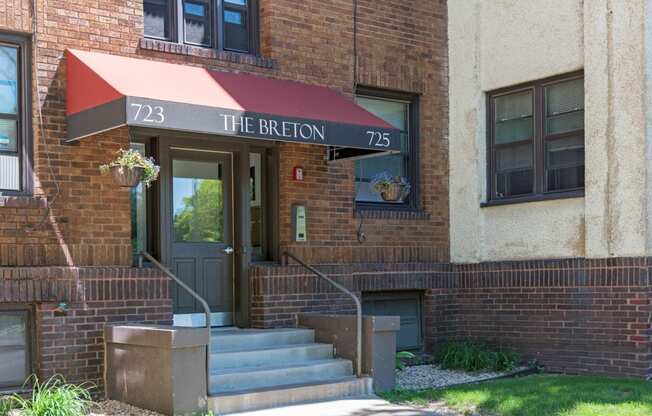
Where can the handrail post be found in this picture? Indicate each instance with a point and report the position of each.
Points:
(358, 307)
(204, 304)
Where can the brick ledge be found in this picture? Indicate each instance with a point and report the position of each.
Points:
(189, 50)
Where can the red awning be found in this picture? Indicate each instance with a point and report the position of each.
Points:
(108, 91)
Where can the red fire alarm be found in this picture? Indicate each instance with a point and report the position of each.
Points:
(297, 173)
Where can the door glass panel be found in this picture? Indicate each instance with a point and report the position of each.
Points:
(256, 194)
(13, 348)
(198, 201)
(138, 212)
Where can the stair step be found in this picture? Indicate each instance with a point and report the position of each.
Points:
(238, 339)
(257, 399)
(261, 357)
(248, 378)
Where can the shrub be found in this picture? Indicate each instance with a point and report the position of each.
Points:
(55, 397)
(474, 356)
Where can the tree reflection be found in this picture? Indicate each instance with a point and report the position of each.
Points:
(201, 216)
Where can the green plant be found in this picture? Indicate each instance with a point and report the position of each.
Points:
(55, 397)
(403, 355)
(5, 405)
(130, 159)
(475, 356)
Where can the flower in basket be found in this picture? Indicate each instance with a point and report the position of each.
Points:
(390, 188)
(130, 167)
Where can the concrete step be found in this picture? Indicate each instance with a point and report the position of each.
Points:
(292, 394)
(261, 357)
(278, 375)
(238, 339)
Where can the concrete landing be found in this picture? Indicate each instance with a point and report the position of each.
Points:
(354, 406)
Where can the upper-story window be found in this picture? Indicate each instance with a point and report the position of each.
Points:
(399, 110)
(229, 25)
(536, 139)
(14, 116)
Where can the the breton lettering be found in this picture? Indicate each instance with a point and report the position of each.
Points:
(273, 128)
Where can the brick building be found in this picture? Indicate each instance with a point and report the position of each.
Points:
(198, 86)
(73, 73)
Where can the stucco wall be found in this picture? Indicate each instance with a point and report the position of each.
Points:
(498, 43)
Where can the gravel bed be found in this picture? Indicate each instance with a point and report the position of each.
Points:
(421, 377)
(113, 408)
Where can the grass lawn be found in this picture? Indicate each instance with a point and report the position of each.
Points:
(541, 395)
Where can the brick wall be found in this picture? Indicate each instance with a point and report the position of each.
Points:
(399, 47)
(573, 316)
(72, 345)
(78, 218)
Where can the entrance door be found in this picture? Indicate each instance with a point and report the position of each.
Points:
(201, 235)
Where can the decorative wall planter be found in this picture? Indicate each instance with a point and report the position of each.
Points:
(130, 168)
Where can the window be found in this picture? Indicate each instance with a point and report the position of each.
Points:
(14, 116)
(406, 305)
(229, 25)
(15, 359)
(536, 139)
(399, 110)
(158, 19)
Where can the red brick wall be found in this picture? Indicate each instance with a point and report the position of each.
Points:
(400, 47)
(72, 344)
(572, 316)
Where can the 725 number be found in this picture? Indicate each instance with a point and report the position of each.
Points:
(378, 139)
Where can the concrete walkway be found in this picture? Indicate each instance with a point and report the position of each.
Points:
(355, 406)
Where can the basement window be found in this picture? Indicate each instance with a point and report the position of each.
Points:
(406, 305)
(15, 360)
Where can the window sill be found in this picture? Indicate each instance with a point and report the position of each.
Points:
(22, 201)
(533, 198)
(201, 52)
(398, 212)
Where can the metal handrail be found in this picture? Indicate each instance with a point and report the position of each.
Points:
(204, 304)
(358, 307)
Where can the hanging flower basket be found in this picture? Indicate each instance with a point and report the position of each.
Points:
(130, 168)
(127, 177)
(390, 188)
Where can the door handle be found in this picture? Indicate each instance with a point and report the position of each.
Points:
(228, 250)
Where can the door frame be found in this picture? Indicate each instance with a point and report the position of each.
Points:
(218, 318)
(159, 143)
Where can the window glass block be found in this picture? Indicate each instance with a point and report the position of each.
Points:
(8, 80)
(157, 15)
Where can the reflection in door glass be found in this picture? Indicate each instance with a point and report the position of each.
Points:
(138, 212)
(256, 190)
(198, 201)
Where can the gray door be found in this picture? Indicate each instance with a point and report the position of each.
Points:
(201, 234)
